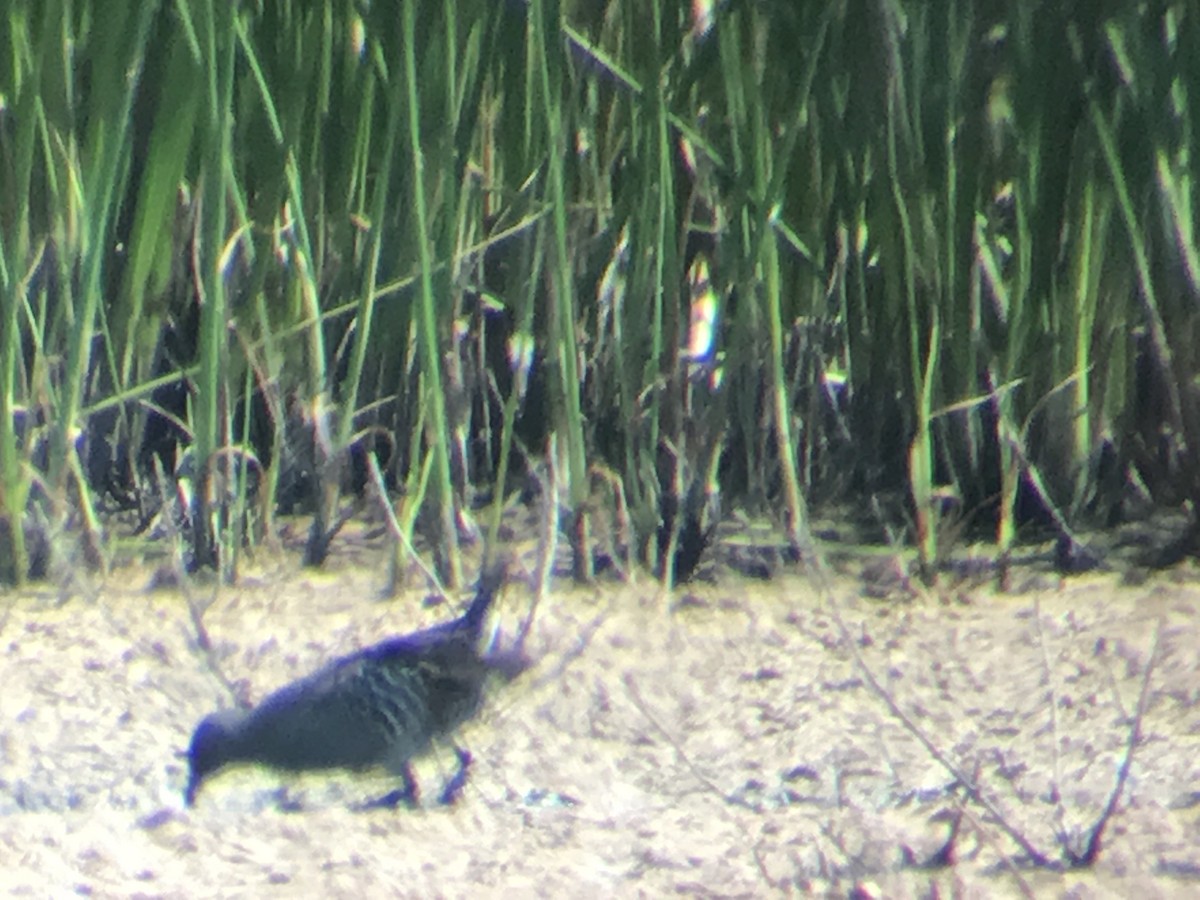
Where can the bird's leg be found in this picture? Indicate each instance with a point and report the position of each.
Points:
(287, 803)
(457, 781)
(408, 794)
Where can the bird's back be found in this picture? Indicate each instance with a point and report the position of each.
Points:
(359, 711)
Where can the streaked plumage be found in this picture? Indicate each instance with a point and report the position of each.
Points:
(381, 706)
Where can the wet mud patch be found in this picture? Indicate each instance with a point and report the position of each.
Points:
(727, 745)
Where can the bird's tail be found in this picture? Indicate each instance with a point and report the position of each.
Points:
(491, 580)
(498, 655)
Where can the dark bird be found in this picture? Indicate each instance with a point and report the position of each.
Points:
(381, 706)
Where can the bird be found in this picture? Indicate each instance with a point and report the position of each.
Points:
(379, 707)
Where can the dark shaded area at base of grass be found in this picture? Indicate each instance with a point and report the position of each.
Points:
(645, 265)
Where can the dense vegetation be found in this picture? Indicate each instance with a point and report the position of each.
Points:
(637, 253)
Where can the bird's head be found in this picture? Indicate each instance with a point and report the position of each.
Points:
(213, 744)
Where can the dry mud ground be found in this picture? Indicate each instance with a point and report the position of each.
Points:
(720, 742)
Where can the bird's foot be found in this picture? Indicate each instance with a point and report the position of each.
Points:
(407, 794)
(390, 800)
(286, 802)
(458, 781)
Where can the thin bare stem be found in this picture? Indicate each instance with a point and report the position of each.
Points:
(968, 783)
(1091, 851)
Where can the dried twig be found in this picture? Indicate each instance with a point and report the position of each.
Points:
(1092, 850)
(583, 641)
(1059, 808)
(986, 835)
(972, 788)
(708, 783)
